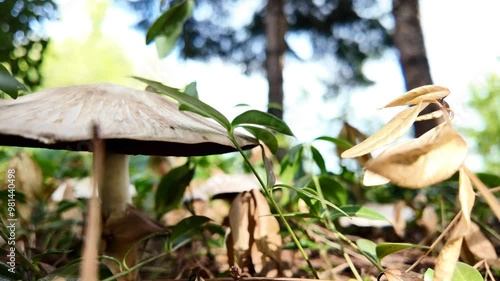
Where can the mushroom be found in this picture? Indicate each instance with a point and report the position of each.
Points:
(130, 121)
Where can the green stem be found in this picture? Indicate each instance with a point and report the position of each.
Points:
(269, 195)
(338, 235)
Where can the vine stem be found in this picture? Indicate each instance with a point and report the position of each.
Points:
(269, 194)
(336, 234)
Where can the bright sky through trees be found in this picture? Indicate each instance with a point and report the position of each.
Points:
(461, 43)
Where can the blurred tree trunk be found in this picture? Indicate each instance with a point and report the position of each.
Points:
(275, 39)
(409, 40)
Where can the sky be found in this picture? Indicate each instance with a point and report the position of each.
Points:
(462, 47)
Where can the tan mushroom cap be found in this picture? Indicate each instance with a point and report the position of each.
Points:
(131, 121)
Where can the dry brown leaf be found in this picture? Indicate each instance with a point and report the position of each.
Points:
(418, 163)
(370, 179)
(448, 257)
(397, 127)
(267, 237)
(353, 136)
(29, 181)
(239, 223)
(466, 195)
(119, 236)
(478, 244)
(398, 275)
(254, 242)
(488, 196)
(427, 93)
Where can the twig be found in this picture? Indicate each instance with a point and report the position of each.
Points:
(431, 248)
(88, 271)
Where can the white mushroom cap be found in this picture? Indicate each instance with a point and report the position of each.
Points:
(131, 121)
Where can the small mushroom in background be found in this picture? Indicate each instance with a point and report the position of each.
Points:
(131, 122)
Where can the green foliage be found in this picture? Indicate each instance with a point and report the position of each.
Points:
(486, 101)
(171, 188)
(22, 39)
(168, 27)
(9, 84)
(463, 272)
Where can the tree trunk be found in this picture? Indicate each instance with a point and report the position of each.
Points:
(409, 40)
(275, 48)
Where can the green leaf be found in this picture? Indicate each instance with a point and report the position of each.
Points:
(385, 249)
(332, 190)
(168, 27)
(171, 188)
(37, 258)
(368, 247)
(265, 136)
(191, 90)
(338, 142)
(9, 84)
(271, 178)
(188, 225)
(429, 275)
(318, 159)
(7, 275)
(310, 194)
(465, 272)
(256, 117)
(358, 211)
(192, 104)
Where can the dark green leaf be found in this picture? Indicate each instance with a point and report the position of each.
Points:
(318, 158)
(168, 27)
(265, 136)
(9, 84)
(193, 104)
(385, 249)
(188, 225)
(332, 190)
(338, 142)
(256, 117)
(172, 187)
(358, 211)
(7, 275)
(309, 195)
(37, 258)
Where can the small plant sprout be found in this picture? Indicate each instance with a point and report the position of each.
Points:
(418, 163)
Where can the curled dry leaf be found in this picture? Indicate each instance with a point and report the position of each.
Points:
(478, 244)
(427, 93)
(418, 163)
(397, 127)
(466, 195)
(370, 179)
(448, 256)
(254, 239)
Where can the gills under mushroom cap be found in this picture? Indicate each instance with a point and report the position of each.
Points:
(131, 121)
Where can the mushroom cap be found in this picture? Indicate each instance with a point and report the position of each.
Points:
(130, 121)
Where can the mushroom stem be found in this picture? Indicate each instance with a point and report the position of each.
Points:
(114, 189)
